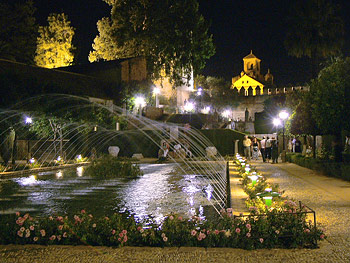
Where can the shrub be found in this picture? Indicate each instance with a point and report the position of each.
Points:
(109, 167)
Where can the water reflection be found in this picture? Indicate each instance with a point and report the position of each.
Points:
(159, 192)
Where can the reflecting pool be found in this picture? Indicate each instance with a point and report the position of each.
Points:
(162, 189)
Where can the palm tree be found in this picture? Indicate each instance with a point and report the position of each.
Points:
(315, 31)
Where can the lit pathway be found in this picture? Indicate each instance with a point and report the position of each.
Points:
(238, 196)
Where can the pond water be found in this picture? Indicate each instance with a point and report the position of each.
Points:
(162, 189)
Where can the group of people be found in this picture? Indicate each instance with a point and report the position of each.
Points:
(267, 148)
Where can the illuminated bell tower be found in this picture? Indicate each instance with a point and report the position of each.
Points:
(251, 66)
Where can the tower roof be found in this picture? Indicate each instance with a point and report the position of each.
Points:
(251, 55)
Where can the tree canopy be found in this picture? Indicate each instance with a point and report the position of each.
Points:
(18, 31)
(315, 30)
(171, 34)
(55, 48)
(330, 94)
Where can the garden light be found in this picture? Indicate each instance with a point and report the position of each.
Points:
(268, 200)
(32, 160)
(253, 178)
(268, 190)
(189, 106)
(247, 169)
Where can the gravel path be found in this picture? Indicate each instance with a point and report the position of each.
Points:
(329, 197)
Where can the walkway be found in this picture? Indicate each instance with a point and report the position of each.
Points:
(329, 197)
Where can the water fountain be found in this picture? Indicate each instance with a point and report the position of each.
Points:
(73, 137)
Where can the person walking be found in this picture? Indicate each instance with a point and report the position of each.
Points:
(262, 148)
(247, 143)
(268, 149)
(274, 150)
(256, 148)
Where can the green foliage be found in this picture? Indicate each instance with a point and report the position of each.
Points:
(18, 31)
(172, 35)
(110, 167)
(330, 94)
(314, 30)
(283, 230)
(54, 48)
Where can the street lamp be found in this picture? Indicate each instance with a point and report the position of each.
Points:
(276, 123)
(156, 92)
(283, 115)
(28, 120)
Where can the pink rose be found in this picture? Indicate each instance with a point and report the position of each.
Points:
(113, 231)
(171, 217)
(19, 233)
(248, 235)
(238, 230)
(42, 232)
(121, 234)
(216, 232)
(60, 227)
(248, 226)
(64, 234)
(93, 225)
(18, 213)
(53, 237)
(35, 239)
(322, 236)
(165, 239)
(124, 232)
(83, 211)
(180, 218)
(31, 228)
(119, 239)
(261, 240)
(193, 232)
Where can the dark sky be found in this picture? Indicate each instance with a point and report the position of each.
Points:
(237, 28)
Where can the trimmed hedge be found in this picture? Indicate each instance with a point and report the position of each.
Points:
(326, 167)
(223, 140)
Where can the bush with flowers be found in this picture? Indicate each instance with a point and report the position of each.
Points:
(283, 217)
(274, 229)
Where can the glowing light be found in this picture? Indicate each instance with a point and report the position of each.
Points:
(254, 178)
(226, 113)
(283, 115)
(59, 174)
(268, 200)
(28, 120)
(199, 91)
(32, 160)
(140, 101)
(206, 110)
(268, 190)
(80, 171)
(277, 122)
(189, 106)
(59, 158)
(28, 180)
(156, 90)
(247, 169)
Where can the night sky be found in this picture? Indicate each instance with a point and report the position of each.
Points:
(237, 28)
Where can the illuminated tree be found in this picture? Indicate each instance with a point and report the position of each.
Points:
(18, 31)
(314, 30)
(55, 48)
(171, 34)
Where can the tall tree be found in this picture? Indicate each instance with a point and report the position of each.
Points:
(171, 34)
(55, 48)
(18, 31)
(330, 100)
(315, 30)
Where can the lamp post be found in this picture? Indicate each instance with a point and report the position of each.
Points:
(283, 115)
(276, 123)
(156, 92)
